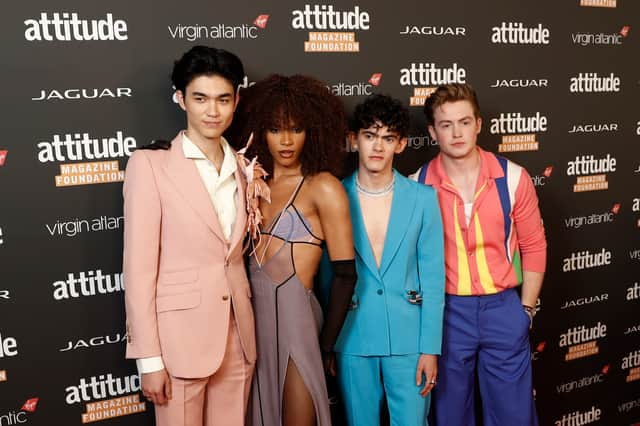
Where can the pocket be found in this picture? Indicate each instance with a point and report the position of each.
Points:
(184, 276)
(176, 302)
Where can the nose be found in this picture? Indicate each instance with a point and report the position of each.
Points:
(285, 137)
(377, 143)
(212, 109)
(457, 130)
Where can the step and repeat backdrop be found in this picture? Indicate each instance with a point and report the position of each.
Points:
(84, 83)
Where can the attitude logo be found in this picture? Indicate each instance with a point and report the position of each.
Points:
(82, 147)
(601, 39)
(330, 30)
(586, 260)
(3, 156)
(631, 362)
(428, 76)
(582, 341)
(517, 33)
(599, 3)
(121, 391)
(583, 382)
(87, 284)
(437, 31)
(580, 418)
(356, 89)
(8, 348)
(218, 31)
(633, 292)
(68, 27)
(591, 172)
(591, 82)
(519, 132)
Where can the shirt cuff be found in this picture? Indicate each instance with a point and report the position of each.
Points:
(149, 365)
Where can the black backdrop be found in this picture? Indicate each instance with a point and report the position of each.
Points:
(573, 65)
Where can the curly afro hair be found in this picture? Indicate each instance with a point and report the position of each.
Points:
(384, 109)
(279, 100)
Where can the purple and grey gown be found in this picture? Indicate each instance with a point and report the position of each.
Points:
(288, 321)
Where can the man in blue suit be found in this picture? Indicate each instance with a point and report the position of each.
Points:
(392, 335)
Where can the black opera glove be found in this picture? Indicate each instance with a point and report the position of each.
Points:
(341, 292)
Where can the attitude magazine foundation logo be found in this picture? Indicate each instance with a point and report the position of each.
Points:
(330, 30)
(519, 133)
(106, 396)
(631, 365)
(425, 77)
(80, 147)
(599, 3)
(591, 172)
(582, 341)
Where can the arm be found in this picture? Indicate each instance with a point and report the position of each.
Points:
(140, 265)
(430, 252)
(432, 277)
(336, 224)
(531, 239)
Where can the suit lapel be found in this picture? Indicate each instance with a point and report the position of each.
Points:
(184, 174)
(360, 237)
(400, 217)
(240, 227)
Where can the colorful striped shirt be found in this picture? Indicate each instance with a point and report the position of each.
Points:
(487, 255)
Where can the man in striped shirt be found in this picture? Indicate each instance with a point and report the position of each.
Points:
(494, 242)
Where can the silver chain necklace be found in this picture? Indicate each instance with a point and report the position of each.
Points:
(379, 193)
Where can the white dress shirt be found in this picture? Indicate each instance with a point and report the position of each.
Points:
(223, 190)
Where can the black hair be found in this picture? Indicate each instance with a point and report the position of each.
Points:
(384, 109)
(204, 60)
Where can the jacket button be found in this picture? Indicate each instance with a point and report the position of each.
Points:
(225, 297)
(379, 291)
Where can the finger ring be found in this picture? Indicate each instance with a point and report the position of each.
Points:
(433, 382)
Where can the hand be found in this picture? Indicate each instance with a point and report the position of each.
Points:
(156, 387)
(428, 368)
(329, 362)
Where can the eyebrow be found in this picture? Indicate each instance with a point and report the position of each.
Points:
(204, 95)
(466, 117)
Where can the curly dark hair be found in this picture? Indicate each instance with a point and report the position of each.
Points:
(385, 109)
(278, 100)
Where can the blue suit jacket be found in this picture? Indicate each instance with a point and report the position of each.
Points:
(381, 320)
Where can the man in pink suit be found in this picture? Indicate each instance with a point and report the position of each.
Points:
(190, 324)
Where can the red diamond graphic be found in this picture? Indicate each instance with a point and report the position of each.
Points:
(261, 21)
(375, 78)
(30, 405)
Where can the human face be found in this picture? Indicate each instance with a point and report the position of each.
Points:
(209, 101)
(456, 129)
(376, 146)
(285, 142)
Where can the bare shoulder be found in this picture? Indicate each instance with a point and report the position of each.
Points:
(324, 187)
(324, 184)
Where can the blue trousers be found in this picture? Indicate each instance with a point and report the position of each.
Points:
(365, 380)
(487, 335)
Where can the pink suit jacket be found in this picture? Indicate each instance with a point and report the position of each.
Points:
(181, 276)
